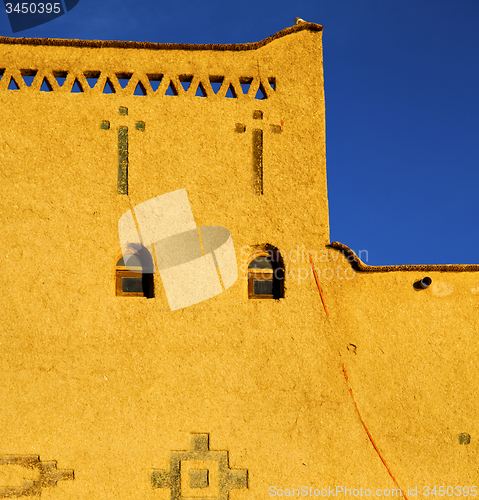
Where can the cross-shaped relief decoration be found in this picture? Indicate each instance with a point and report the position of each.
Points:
(199, 474)
(122, 183)
(258, 129)
(27, 475)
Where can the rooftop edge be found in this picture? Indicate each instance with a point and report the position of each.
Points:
(360, 266)
(59, 42)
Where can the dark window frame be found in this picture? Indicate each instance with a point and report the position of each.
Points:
(274, 273)
(122, 272)
(255, 275)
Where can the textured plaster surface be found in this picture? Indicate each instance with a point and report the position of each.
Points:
(109, 386)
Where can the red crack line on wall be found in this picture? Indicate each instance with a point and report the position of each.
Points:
(317, 283)
(369, 435)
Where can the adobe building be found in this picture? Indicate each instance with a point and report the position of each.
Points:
(189, 363)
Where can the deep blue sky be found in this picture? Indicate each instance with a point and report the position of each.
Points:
(402, 106)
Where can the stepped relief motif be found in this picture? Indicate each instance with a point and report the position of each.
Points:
(150, 84)
(27, 475)
(200, 473)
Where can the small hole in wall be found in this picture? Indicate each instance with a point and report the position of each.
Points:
(352, 348)
(423, 283)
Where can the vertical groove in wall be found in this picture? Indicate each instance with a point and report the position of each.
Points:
(258, 161)
(122, 185)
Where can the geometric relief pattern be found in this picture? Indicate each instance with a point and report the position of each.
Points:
(122, 182)
(199, 474)
(258, 129)
(41, 475)
(136, 83)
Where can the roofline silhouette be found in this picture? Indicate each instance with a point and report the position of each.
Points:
(60, 42)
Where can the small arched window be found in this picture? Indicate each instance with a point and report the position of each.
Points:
(131, 281)
(266, 276)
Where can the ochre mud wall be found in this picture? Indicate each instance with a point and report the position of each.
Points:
(252, 391)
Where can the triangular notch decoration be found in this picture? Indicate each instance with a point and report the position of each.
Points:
(185, 81)
(200, 91)
(171, 90)
(60, 77)
(140, 89)
(272, 82)
(231, 93)
(245, 83)
(77, 88)
(261, 94)
(108, 88)
(92, 78)
(123, 79)
(216, 82)
(13, 85)
(155, 80)
(28, 76)
(46, 86)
